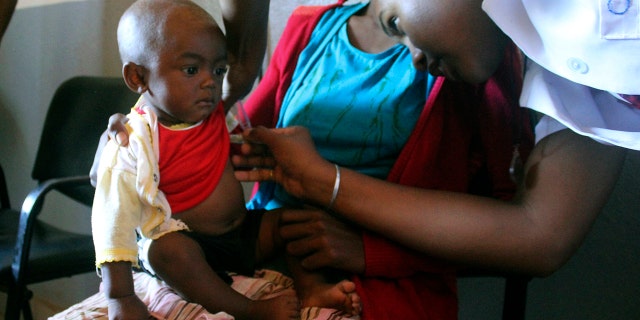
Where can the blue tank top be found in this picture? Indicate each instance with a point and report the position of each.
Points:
(359, 107)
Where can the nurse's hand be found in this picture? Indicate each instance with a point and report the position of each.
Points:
(287, 156)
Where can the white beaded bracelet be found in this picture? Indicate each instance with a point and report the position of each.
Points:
(336, 187)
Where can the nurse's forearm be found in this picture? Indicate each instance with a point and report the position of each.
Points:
(568, 181)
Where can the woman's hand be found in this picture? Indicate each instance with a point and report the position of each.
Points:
(320, 240)
(115, 130)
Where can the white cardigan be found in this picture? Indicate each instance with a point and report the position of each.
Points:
(127, 197)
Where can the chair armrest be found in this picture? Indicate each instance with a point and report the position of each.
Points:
(31, 208)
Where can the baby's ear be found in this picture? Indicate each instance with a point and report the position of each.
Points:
(135, 76)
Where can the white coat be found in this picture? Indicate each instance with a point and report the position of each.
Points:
(583, 53)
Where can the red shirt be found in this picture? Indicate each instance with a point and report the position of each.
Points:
(192, 160)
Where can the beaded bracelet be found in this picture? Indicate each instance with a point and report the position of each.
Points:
(336, 187)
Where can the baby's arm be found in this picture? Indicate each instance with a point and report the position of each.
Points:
(115, 215)
(118, 287)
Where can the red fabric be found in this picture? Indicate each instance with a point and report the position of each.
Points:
(191, 161)
(462, 139)
(634, 101)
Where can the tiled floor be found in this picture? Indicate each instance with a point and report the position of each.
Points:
(52, 297)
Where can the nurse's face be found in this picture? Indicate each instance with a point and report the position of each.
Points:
(451, 38)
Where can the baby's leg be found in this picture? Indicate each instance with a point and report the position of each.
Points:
(181, 263)
(312, 288)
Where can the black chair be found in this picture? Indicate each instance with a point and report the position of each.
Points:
(515, 297)
(33, 251)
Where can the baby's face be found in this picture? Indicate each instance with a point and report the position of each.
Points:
(451, 38)
(185, 83)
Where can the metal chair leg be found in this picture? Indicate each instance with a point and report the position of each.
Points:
(26, 305)
(515, 298)
(18, 301)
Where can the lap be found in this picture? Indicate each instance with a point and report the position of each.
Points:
(234, 251)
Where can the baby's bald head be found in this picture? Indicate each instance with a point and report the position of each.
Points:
(143, 28)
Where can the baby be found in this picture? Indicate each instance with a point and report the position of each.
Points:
(173, 185)
(176, 167)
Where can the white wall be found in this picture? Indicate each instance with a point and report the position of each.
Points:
(44, 46)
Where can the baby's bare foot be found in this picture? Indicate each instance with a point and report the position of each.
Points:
(282, 307)
(341, 296)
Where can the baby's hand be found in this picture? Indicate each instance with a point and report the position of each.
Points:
(128, 308)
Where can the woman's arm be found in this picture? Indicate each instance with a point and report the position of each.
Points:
(7, 7)
(568, 179)
(246, 26)
(321, 240)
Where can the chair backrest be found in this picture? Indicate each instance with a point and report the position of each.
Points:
(77, 116)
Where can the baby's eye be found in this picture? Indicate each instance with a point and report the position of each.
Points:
(191, 70)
